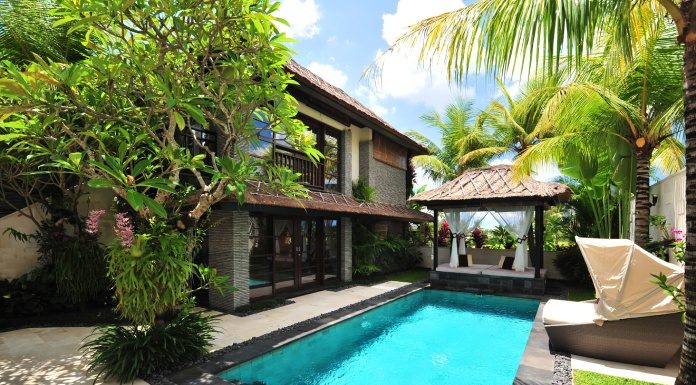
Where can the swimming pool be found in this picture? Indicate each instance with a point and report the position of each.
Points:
(428, 337)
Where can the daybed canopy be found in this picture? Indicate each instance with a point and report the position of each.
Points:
(512, 202)
(621, 272)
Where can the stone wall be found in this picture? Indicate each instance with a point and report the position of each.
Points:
(346, 162)
(228, 252)
(18, 258)
(390, 182)
(346, 249)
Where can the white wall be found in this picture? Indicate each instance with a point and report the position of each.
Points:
(18, 258)
(671, 201)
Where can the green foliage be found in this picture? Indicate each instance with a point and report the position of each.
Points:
(501, 238)
(582, 377)
(151, 277)
(78, 262)
(572, 266)
(421, 234)
(123, 107)
(363, 192)
(559, 228)
(460, 135)
(373, 254)
(32, 294)
(27, 28)
(129, 352)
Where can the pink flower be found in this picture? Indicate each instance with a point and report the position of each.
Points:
(92, 221)
(124, 229)
(678, 234)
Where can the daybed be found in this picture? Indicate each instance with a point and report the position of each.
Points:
(632, 320)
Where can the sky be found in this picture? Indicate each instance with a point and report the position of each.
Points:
(338, 40)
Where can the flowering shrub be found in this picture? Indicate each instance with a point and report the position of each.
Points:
(478, 237)
(679, 244)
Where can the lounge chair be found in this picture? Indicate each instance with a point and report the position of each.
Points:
(632, 321)
(650, 341)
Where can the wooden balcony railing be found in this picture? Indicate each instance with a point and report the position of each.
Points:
(312, 175)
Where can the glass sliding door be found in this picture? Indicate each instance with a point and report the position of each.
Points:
(287, 254)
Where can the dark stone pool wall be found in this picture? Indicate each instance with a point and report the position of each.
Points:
(487, 283)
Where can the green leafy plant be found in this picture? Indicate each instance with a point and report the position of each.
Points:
(363, 192)
(572, 266)
(374, 254)
(129, 352)
(500, 238)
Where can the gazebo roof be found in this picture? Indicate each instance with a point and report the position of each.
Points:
(493, 186)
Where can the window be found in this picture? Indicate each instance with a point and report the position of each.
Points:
(273, 146)
(387, 151)
(331, 251)
(331, 161)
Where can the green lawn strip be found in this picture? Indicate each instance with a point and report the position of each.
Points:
(581, 377)
(411, 276)
(580, 293)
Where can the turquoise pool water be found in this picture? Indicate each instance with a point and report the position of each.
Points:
(428, 337)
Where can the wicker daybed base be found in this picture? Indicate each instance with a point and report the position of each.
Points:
(650, 341)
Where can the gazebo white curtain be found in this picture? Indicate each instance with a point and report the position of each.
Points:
(517, 220)
(461, 222)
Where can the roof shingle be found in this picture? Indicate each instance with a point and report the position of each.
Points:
(493, 184)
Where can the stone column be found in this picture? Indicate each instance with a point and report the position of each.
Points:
(228, 252)
(366, 160)
(345, 162)
(346, 249)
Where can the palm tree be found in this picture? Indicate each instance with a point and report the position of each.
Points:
(641, 104)
(515, 123)
(494, 35)
(459, 134)
(27, 28)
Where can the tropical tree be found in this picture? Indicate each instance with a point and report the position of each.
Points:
(641, 105)
(500, 35)
(460, 135)
(139, 115)
(516, 123)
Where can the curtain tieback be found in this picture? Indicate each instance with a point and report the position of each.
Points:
(522, 239)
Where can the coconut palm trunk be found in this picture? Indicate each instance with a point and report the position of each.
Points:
(642, 213)
(687, 366)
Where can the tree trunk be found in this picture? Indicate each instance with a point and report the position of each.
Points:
(642, 218)
(687, 366)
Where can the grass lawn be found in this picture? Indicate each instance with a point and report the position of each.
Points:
(581, 377)
(580, 293)
(413, 275)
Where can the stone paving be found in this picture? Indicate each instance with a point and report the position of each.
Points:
(38, 356)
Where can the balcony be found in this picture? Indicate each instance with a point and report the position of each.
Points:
(312, 175)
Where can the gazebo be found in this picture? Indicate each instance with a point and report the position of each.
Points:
(512, 202)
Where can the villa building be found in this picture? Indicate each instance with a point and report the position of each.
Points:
(272, 244)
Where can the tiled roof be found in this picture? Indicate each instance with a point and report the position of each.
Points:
(307, 77)
(259, 193)
(493, 184)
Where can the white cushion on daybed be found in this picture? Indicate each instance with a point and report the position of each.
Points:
(558, 312)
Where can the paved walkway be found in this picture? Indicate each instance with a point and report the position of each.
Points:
(39, 356)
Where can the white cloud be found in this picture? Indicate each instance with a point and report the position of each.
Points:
(409, 12)
(402, 77)
(372, 100)
(513, 88)
(303, 16)
(329, 73)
